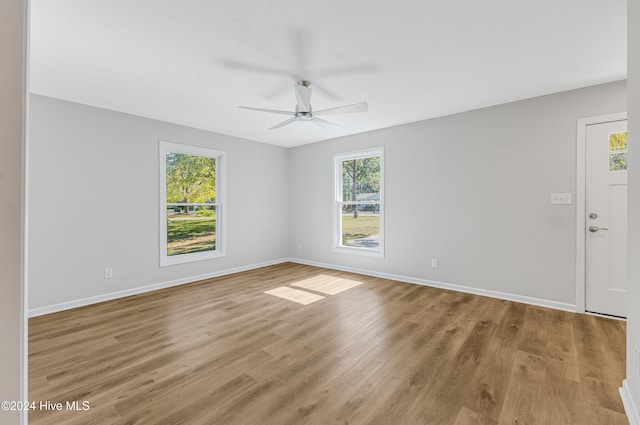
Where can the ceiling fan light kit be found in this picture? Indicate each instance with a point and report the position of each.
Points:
(304, 111)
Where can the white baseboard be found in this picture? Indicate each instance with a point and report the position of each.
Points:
(453, 287)
(633, 414)
(67, 305)
(153, 287)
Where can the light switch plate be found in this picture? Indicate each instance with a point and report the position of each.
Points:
(561, 199)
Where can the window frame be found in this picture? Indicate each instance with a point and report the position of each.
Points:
(219, 204)
(338, 202)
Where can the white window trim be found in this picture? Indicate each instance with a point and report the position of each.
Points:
(337, 202)
(220, 251)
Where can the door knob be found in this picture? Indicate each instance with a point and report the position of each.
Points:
(594, 229)
(593, 216)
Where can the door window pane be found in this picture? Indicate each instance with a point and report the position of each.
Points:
(618, 161)
(618, 141)
(618, 151)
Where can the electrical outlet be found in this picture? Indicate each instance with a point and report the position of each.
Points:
(108, 272)
(561, 199)
(299, 247)
(435, 263)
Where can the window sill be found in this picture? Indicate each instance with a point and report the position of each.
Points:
(359, 251)
(189, 258)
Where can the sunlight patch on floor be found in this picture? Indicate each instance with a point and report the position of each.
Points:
(295, 295)
(330, 285)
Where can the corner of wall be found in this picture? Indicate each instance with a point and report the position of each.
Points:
(630, 390)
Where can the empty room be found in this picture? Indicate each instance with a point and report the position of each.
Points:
(339, 212)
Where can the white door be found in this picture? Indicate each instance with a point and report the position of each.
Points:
(606, 218)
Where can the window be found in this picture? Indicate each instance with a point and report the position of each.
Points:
(618, 151)
(359, 203)
(191, 203)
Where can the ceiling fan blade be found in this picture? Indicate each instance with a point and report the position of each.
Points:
(258, 68)
(323, 123)
(355, 69)
(356, 107)
(278, 91)
(303, 97)
(283, 123)
(273, 111)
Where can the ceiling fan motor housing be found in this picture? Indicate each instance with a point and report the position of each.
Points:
(303, 111)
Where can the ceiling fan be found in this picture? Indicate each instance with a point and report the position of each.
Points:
(304, 111)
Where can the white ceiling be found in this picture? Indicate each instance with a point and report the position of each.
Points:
(192, 62)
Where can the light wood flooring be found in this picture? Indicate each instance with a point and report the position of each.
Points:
(223, 352)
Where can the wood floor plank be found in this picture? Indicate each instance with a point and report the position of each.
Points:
(562, 357)
(220, 351)
(451, 383)
(525, 394)
(563, 401)
(599, 376)
(535, 333)
(486, 391)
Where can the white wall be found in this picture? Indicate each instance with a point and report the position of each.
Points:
(94, 196)
(12, 55)
(471, 189)
(633, 321)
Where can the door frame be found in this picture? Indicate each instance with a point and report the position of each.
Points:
(581, 195)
